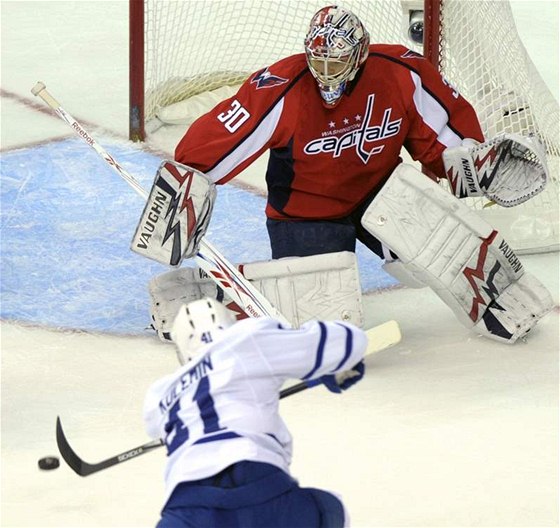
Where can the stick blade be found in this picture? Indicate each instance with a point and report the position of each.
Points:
(68, 454)
(383, 336)
(83, 468)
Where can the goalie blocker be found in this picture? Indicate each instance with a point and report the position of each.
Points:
(443, 244)
(176, 214)
(325, 287)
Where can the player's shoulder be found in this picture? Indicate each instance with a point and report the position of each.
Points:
(253, 330)
(281, 73)
(396, 53)
(292, 65)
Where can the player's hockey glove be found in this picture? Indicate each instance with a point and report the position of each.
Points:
(342, 381)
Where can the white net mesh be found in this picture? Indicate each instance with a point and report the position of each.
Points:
(481, 52)
(195, 46)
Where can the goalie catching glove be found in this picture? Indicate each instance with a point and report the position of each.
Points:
(176, 214)
(508, 169)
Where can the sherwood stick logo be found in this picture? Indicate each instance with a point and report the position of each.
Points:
(367, 133)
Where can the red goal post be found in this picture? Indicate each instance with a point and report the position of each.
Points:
(136, 81)
(184, 48)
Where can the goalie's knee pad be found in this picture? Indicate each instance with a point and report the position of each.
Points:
(325, 287)
(444, 244)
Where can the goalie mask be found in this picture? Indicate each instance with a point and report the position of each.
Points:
(336, 46)
(197, 324)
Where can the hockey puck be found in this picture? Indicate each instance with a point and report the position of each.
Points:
(48, 463)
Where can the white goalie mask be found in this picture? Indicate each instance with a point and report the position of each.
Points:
(197, 324)
(336, 46)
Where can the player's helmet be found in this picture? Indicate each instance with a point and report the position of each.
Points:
(336, 46)
(197, 324)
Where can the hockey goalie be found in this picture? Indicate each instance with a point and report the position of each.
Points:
(334, 120)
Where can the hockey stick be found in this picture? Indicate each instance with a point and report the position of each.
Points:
(379, 338)
(208, 258)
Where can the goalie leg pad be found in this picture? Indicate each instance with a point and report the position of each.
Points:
(517, 309)
(176, 214)
(445, 245)
(325, 286)
(402, 273)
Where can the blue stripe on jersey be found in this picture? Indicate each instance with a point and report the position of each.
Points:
(274, 437)
(221, 436)
(280, 175)
(320, 351)
(348, 348)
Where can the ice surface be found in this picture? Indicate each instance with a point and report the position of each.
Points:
(67, 222)
(447, 429)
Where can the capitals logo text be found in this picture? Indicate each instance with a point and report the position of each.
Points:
(359, 138)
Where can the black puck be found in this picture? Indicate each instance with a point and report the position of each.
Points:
(49, 462)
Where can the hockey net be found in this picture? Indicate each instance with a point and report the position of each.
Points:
(195, 49)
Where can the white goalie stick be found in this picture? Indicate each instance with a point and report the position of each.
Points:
(208, 258)
(380, 338)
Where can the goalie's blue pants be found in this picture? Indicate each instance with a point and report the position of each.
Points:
(302, 238)
(250, 495)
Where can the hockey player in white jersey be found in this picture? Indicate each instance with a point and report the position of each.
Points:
(229, 450)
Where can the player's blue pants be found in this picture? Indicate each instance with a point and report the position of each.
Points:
(250, 495)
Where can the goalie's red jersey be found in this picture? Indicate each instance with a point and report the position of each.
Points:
(325, 161)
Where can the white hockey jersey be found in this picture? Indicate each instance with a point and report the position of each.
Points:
(222, 407)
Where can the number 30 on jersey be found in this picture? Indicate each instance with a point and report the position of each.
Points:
(234, 117)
